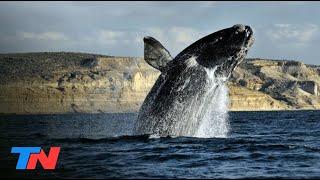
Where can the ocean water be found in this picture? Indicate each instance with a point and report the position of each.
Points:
(258, 145)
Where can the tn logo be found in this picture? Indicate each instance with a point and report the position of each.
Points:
(29, 156)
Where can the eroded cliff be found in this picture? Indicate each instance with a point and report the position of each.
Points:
(45, 83)
(275, 84)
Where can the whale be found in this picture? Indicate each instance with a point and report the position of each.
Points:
(185, 79)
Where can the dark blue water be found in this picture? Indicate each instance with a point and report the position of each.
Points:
(259, 145)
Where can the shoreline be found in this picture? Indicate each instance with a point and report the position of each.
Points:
(106, 113)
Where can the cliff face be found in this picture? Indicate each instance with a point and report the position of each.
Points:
(89, 84)
(74, 82)
(276, 84)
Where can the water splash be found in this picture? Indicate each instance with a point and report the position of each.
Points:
(208, 115)
(214, 109)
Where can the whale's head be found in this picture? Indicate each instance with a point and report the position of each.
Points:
(224, 49)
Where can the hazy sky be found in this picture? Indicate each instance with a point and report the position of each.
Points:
(283, 30)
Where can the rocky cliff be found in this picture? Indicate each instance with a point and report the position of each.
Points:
(259, 84)
(45, 83)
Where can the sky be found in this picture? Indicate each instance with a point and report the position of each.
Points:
(282, 30)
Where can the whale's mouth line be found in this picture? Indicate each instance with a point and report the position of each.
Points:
(239, 51)
(246, 41)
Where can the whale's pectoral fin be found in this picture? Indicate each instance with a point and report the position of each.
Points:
(155, 54)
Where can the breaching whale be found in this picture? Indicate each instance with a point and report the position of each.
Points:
(184, 80)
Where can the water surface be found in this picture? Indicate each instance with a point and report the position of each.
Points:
(258, 145)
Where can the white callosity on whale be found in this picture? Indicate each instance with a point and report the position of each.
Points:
(189, 98)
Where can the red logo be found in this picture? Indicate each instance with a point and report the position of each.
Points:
(29, 156)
